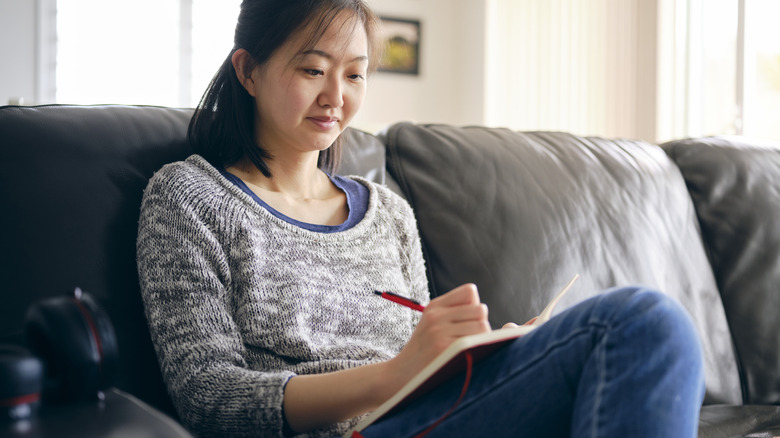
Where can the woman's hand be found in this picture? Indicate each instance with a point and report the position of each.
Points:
(448, 317)
(513, 325)
(312, 401)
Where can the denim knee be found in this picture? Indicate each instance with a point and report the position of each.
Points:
(652, 318)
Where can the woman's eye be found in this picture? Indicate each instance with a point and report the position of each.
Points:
(356, 77)
(314, 72)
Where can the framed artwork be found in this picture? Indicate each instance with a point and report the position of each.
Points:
(401, 39)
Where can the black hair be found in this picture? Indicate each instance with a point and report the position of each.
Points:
(222, 126)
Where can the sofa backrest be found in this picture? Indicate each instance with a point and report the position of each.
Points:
(520, 213)
(735, 186)
(71, 182)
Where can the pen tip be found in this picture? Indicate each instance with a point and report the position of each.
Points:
(378, 292)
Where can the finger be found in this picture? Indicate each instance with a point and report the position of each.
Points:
(455, 314)
(464, 313)
(463, 294)
(466, 328)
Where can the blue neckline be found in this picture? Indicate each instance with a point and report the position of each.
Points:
(357, 203)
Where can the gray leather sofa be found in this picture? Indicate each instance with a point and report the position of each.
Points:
(517, 213)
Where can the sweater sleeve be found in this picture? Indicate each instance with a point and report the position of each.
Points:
(184, 276)
(409, 239)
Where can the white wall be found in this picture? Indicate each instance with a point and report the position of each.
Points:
(17, 50)
(450, 86)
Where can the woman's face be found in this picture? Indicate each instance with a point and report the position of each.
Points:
(306, 98)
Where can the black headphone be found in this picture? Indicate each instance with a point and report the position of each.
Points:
(21, 383)
(73, 339)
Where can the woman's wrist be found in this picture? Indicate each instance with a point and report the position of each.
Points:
(348, 392)
(387, 381)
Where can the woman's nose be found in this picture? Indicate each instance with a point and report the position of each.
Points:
(331, 95)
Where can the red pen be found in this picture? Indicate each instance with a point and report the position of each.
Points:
(408, 302)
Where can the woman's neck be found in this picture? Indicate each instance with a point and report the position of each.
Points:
(297, 189)
(297, 178)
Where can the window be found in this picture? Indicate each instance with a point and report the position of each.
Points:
(156, 52)
(734, 68)
(761, 70)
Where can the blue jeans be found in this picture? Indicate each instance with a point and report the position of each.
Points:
(626, 363)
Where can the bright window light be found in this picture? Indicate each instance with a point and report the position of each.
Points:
(718, 104)
(764, 116)
(735, 68)
(214, 22)
(151, 52)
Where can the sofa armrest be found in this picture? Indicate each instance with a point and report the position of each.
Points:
(119, 414)
(735, 186)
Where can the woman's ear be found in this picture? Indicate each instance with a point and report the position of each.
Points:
(242, 61)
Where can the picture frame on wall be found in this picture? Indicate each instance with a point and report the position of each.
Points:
(401, 39)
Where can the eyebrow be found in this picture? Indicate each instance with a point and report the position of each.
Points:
(330, 57)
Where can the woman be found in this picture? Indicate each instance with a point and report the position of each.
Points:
(257, 262)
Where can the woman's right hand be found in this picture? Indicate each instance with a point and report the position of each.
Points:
(316, 400)
(448, 317)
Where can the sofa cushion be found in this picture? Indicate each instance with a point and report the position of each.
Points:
(748, 421)
(735, 185)
(364, 155)
(520, 213)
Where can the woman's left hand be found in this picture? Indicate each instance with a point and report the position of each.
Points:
(513, 325)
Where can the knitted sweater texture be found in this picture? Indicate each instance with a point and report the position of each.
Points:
(239, 301)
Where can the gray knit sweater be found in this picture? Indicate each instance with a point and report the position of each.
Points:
(239, 301)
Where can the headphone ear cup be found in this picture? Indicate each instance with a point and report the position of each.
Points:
(107, 339)
(65, 333)
(21, 382)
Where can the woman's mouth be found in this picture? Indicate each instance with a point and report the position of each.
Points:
(324, 123)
